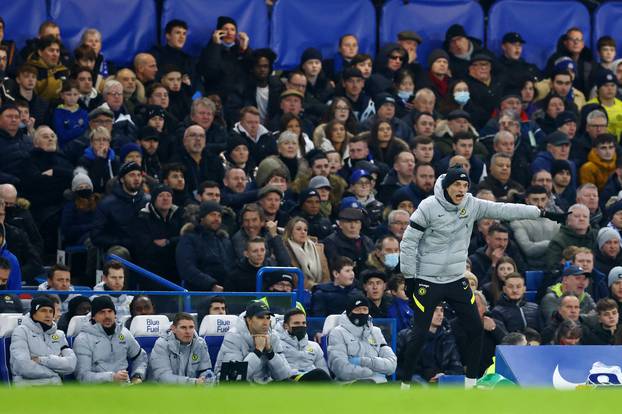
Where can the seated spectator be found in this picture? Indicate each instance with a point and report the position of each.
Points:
(512, 62)
(174, 177)
(331, 298)
(493, 290)
(104, 348)
(569, 332)
(557, 148)
(439, 355)
(210, 191)
(39, 352)
(306, 253)
(235, 193)
(362, 187)
(399, 309)
(576, 232)
(563, 189)
(252, 341)
(78, 215)
(544, 179)
(14, 148)
(584, 258)
(457, 121)
(204, 255)
(99, 159)
(18, 214)
(574, 281)
(486, 88)
(339, 119)
(397, 221)
(23, 89)
(587, 194)
(69, 119)
(8, 303)
(374, 284)
(243, 276)
(498, 180)
(348, 49)
(89, 98)
(78, 306)
(305, 358)
(59, 278)
(140, 305)
(181, 356)
(357, 350)
(614, 184)
(385, 257)
(309, 209)
(608, 323)
(149, 142)
(347, 240)
(472, 279)
(601, 161)
(461, 47)
(463, 144)
(270, 199)
(352, 85)
(533, 236)
(606, 96)
(14, 276)
(113, 279)
(614, 282)
(423, 148)
(513, 310)
(609, 253)
(401, 175)
(532, 337)
(420, 188)
(215, 305)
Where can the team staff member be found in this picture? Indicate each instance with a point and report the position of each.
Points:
(433, 252)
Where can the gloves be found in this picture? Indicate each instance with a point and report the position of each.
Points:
(355, 360)
(558, 217)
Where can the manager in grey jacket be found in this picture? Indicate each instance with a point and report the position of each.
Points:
(181, 357)
(433, 255)
(305, 357)
(105, 346)
(357, 350)
(252, 341)
(39, 352)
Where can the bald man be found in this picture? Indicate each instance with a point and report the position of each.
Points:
(145, 67)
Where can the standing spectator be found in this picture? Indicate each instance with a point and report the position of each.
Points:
(461, 49)
(513, 65)
(146, 68)
(23, 89)
(105, 346)
(103, 68)
(331, 298)
(606, 92)
(572, 44)
(513, 310)
(204, 255)
(14, 149)
(348, 49)
(78, 215)
(176, 34)
(51, 70)
(39, 352)
(181, 357)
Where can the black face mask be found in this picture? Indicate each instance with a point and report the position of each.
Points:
(45, 326)
(109, 331)
(358, 319)
(299, 332)
(86, 193)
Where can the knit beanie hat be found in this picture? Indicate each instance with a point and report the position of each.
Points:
(223, 20)
(40, 302)
(310, 53)
(615, 274)
(455, 174)
(127, 148)
(605, 234)
(435, 55)
(101, 303)
(79, 179)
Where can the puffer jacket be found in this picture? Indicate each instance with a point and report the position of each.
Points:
(345, 341)
(29, 340)
(301, 355)
(172, 363)
(596, 170)
(101, 355)
(435, 244)
(517, 315)
(533, 237)
(49, 78)
(238, 346)
(330, 299)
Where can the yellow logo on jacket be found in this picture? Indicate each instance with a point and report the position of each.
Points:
(121, 337)
(55, 337)
(462, 213)
(195, 357)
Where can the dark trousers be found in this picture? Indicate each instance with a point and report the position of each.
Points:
(426, 296)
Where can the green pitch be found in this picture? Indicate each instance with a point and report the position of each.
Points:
(299, 399)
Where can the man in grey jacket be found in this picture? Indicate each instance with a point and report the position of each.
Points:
(252, 341)
(434, 251)
(357, 350)
(39, 352)
(105, 346)
(181, 357)
(305, 357)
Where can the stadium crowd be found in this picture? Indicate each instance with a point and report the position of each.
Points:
(205, 169)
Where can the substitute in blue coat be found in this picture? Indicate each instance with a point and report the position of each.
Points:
(205, 255)
(181, 356)
(40, 354)
(105, 348)
(434, 250)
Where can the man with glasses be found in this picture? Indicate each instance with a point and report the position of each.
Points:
(485, 88)
(572, 44)
(596, 123)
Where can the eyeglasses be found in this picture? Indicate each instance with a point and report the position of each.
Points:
(396, 57)
(196, 136)
(575, 39)
(598, 126)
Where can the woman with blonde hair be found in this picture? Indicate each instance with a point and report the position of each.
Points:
(305, 253)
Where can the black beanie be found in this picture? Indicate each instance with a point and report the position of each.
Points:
(310, 53)
(40, 302)
(127, 168)
(223, 20)
(101, 303)
(159, 190)
(454, 174)
(356, 301)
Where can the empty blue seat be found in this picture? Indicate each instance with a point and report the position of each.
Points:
(297, 25)
(147, 342)
(533, 279)
(607, 22)
(127, 26)
(430, 19)
(250, 15)
(213, 347)
(530, 295)
(540, 23)
(22, 19)
(5, 366)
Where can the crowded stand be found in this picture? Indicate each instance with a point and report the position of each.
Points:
(188, 215)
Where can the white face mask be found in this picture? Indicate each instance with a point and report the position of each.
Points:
(462, 97)
(404, 95)
(391, 260)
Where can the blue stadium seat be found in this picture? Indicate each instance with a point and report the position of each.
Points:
(540, 23)
(533, 279)
(607, 22)
(147, 342)
(530, 296)
(213, 347)
(297, 25)
(430, 19)
(17, 26)
(5, 366)
(127, 26)
(251, 16)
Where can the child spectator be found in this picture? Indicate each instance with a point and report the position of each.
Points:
(69, 119)
(331, 298)
(399, 308)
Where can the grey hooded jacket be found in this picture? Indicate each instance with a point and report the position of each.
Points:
(55, 357)
(238, 345)
(436, 243)
(171, 362)
(302, 356)
(346, 340)
(100, 355)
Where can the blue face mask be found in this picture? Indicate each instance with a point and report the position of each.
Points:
(391, 260)
(404, 95)
(462, 97)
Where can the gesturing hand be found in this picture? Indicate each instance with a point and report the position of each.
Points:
(558, 217)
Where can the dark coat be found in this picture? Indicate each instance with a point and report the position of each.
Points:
(14, 155)
(221, 68)
(100, 170)
(337, 244)
(274, 247)
(43, 190)
(490, 342)
(329, 299)
(516, 316)
(412, 192)
(76, 225)
(209, 168)
(481, 265)
(204, 258)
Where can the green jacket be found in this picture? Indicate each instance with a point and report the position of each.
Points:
(564, 238)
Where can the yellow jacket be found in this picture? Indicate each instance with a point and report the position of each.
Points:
(49, 78)
(596, 170)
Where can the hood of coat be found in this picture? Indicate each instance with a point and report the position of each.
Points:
(97, 329)
(35, 326)
(357, 331)
(289, 339)
(439, 194)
